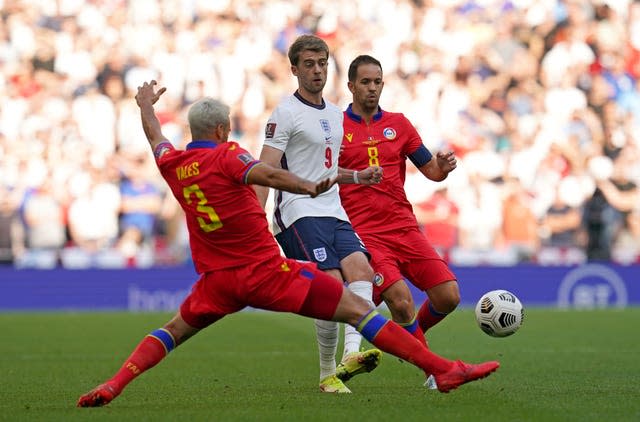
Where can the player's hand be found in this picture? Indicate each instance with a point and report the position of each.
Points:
(370, 176)
(147, 95)
(322, 186)
(446, 161)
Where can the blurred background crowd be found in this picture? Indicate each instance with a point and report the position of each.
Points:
(538, 98)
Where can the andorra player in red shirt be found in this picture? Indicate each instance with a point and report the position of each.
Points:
(238, 259)
(381, 214)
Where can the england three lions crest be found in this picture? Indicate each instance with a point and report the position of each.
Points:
(326, 128)
(320, 254)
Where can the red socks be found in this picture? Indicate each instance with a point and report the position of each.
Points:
(428, 316)
(151, 350)
(390, 337)
(414, 329)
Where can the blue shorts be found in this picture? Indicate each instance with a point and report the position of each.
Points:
(323, 240)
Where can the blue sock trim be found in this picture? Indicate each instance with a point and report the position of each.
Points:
(412, 326)
(371, 324)
(433, 311)
(165, 338)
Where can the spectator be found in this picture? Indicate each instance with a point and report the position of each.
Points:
(140, 204)
(519, 224)
(533, 82)
(44, 219)
(438, 217)
(11, 233)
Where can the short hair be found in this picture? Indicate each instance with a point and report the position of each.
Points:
(306, 42)
(205, 115)
(357, 62)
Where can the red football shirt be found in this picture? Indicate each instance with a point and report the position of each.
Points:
(385, 142)
(227, 226)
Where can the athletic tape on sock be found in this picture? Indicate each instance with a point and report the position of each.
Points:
(165, 337)
(412, 326)
(371, 324)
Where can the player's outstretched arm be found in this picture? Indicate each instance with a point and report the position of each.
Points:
(439, 167)
(370, 176)
(265, 175)
(146, 97)
(272, 157)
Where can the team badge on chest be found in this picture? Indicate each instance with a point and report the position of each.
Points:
(389, 133)
(326, 128)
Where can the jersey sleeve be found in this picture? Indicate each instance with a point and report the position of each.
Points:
(238, 162)
(414, 141)
(161, 151)
(279, 129)
(413, 148)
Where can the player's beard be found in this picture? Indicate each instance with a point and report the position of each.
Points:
(315, 87)
(369, 106)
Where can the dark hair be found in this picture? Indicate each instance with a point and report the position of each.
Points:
(306, 42)
(360, 60)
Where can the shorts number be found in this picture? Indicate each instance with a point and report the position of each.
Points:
(213, 222)
(327, 155)
(373, 156)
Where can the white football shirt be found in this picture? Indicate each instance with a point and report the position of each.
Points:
(309, 137)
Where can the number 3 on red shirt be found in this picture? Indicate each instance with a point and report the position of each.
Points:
(213, 222)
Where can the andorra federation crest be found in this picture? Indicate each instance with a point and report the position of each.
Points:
(389, 133)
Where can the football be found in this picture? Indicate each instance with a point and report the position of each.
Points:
(499, 313)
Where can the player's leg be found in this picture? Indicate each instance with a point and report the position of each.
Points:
(327, 297)
(422, 265)
(154, 347)
(434, 277)
(354, 361)
(393, 339)
(442, 299)
(311, 239)
(400, 302)
(391, 288)
(327, 333)
(359, 275)
(208, 302)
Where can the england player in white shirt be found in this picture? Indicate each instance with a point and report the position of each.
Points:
(303, 135)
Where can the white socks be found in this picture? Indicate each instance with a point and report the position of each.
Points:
(352, 338)
(327, 336)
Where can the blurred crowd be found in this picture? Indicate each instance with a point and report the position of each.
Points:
(538, 98)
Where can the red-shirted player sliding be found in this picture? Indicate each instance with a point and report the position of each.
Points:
(239, 261)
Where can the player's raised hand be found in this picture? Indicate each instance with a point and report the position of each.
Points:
(446, 161)
(370, 176)
(147, 95)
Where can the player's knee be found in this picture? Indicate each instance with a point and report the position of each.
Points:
(447, 304)
(356, 268)
(402, 309)
(362, 272)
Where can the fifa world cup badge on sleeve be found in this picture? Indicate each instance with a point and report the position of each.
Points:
(269, 130)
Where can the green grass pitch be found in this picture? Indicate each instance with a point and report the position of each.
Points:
(260, 366)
